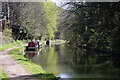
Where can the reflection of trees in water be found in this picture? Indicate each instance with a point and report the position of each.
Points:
(87, 61)
(51, 58)
(31, 54)
(57, 59)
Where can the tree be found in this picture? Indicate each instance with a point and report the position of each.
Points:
(31, 20)
(95, 25)
(50, 18)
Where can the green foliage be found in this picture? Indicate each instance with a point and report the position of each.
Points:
(8, 35)
(3, 75)
(32, 20)
(50, 18)
(95, 26)
(27, 21)
(11, 45)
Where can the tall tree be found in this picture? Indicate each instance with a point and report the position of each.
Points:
(95, 25)
(50, 18)
(31, 20)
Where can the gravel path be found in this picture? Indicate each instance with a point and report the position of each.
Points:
(12, 68)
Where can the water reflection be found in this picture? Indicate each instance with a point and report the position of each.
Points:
(31, 54)
(64, 76)
(67, 62)
(50, 58)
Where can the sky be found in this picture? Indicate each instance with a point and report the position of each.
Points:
(60, 3)
(85, 0)
(57, 2)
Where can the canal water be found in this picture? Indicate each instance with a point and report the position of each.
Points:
(67, 62)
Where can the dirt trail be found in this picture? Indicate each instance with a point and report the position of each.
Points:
(12, 68)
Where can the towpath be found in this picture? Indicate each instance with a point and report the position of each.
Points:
(12, 68)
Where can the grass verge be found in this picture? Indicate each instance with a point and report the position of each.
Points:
(11, 45)
(33, 68)
(3, 75)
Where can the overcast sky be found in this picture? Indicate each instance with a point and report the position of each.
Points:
(57, 2)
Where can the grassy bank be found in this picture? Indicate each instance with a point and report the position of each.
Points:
(33, 68)
(11, 45)
(3, 75)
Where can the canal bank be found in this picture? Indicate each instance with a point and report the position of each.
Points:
(17, 66)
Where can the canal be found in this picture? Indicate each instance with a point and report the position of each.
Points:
(67, 62)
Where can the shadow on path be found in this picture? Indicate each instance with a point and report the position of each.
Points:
(33, 77)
